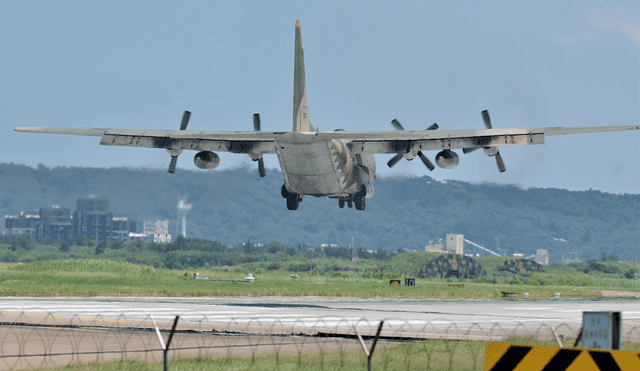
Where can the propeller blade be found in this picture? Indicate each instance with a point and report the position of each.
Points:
(256, 122)
(396, 125)
(394, 160)
(256, 127)
(486, 119)
(172, 165)
(426, 161)
(469, 150)
(261, 169)
(183, 126)
(501, 166)
(185, 120)
(433, 127)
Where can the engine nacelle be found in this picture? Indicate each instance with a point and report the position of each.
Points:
(447, 159)
(490, 151)
(364, 178)
(206, 160)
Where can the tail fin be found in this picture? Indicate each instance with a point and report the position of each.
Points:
(300, 105)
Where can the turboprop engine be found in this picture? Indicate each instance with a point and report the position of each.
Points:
(447, 159)
(206, 160)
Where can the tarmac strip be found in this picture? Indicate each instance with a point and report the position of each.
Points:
(620, 294)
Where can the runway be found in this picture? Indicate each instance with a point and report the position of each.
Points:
(39, 332)
(320, 314)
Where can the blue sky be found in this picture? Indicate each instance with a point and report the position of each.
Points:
(139, 65)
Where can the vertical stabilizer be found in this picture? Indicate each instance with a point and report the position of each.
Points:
(300, 106)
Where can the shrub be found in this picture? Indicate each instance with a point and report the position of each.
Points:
(629, 275)
(24, 241)
(65, 246)
(10, 257)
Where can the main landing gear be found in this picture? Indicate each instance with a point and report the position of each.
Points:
(358, 199)
(293, 199)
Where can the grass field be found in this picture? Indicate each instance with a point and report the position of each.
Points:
(91, 277)
(425, 355)
(108, 278)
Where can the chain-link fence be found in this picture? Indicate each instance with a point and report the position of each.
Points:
(29, 340)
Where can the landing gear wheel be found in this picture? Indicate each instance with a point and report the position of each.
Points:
(341, 203)
(284, 193)
(293, 199)
(349, 204)
(361, 203)
(360, 200)
(293, 203)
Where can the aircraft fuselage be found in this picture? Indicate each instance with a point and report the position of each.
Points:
(319, 167)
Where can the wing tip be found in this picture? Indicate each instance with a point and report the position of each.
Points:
(30, 129)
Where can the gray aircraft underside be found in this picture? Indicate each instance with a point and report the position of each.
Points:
(337, 164)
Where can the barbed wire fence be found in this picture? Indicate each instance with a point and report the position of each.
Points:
(30, 340)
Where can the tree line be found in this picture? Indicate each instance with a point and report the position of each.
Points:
(182, 253)
(233, 206)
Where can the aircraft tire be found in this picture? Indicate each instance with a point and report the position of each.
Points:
(350, 204)
(360, 200)
(284, 193)
(361, 203)
(293, 203)
(341, 203)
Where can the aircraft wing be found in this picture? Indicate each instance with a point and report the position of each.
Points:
(373, 142)
(220, 141)
(424, 140)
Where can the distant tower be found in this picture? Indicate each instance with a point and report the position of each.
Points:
(183, 207)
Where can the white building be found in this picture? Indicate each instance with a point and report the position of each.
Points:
(542, 257)
(157, 231)
(454, 244)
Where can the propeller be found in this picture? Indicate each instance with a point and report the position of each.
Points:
(173, 152)
(500, 163)
(488, 151)
(256, 127)
(394, 160)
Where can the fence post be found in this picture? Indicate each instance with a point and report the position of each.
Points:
(579, 337)
(555, 334)
(369, 353)
(165, 348)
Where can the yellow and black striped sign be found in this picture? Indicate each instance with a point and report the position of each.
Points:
(508, 357)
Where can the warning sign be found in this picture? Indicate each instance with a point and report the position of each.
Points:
(507, 357)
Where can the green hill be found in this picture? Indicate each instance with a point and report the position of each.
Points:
(233, 206)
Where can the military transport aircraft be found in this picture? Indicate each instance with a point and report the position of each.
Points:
(336, 164)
